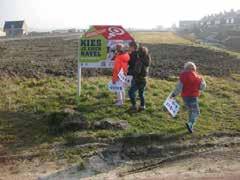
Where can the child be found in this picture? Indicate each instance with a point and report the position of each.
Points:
(189, 85)
(120, 62)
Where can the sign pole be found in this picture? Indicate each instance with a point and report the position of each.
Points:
(79, 71)
(79, 79)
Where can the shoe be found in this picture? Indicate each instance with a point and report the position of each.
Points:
(119, 103)
(142, 108)
(133, 109)
(189, 128)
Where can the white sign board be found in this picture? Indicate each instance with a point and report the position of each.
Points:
(125, 79)
(117, 87)
(172, 106)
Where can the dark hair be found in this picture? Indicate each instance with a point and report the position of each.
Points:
(143, 51)
(133, 44)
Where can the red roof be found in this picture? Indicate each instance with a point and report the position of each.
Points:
(110, 32)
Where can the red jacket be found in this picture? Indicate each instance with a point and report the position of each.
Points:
(120, 62)
(191, 81)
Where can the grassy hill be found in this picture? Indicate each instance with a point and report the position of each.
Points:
(27, 104)
(33, 109)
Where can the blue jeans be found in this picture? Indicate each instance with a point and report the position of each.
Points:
(193, 109)
(140, 87)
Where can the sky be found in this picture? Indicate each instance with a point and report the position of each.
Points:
(147, 14)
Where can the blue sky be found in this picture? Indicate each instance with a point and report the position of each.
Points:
(55, 14)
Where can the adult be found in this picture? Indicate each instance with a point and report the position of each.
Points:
(139, 70)
(133, 52)
(189, 85)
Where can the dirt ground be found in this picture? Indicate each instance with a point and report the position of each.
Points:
(58, 56)
(218, 159)
(224, 164)
(213, 166)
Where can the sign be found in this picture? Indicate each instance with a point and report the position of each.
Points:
(93, 49)
(117, 87)
(172, 106)
(98, 45)
(125, 79)
(97, 49)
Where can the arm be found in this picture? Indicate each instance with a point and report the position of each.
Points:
(116, 70)
(147, 60)
(203, 85)
(178, 89)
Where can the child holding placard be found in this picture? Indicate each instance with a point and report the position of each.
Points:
(189, 85)
(120, 63)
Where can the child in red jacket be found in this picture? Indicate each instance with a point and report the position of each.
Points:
(189, 85)
(121, 62)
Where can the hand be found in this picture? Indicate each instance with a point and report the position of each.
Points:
(172, 96)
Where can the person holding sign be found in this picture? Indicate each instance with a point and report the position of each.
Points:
(120, 63)
(189, 85)
(139, 71)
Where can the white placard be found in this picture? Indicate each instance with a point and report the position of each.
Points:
(117, 87)
(172, 106)
(125, 79)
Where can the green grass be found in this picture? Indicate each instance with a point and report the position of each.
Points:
(160, 38)
(25, 105)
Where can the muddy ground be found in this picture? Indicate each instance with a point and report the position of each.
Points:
(58, 56)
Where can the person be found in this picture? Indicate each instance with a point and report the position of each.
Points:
(120, 62)
(139, 70)
(133, 52)
(189, 85)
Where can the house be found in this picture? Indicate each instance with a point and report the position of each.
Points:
(15, 28)
(188, 24)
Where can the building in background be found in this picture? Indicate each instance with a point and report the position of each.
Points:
(184, 25)
(15, 28)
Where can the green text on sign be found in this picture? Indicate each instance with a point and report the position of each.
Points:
(93, 49)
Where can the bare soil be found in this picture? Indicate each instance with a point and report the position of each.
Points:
(58, 56)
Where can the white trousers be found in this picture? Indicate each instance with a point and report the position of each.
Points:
(121, 94)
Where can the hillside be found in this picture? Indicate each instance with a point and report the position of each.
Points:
(45, 128)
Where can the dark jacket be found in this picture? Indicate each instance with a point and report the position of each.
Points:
(132, 61)
(140, 75)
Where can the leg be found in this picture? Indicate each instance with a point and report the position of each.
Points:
(132, 93)
(193, 111)
(141, 95)
(120, 95)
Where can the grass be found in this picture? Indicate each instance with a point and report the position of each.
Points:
(160, 38)
(24, 104)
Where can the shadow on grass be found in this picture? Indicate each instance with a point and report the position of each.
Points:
(23, 131)
(151, 138)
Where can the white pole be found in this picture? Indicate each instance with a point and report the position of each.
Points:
(79, 78)
(79, 71)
